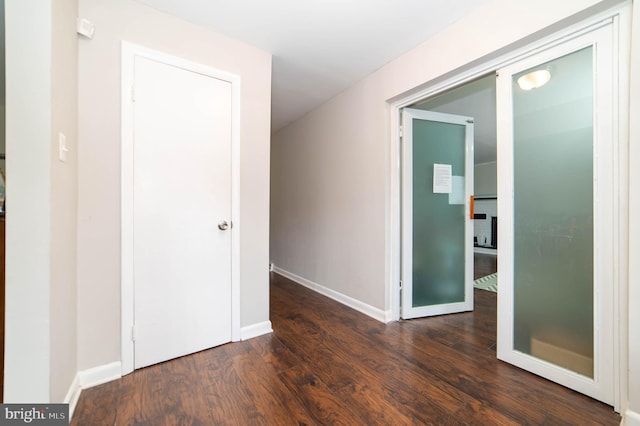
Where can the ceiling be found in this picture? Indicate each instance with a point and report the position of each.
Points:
(321, 48)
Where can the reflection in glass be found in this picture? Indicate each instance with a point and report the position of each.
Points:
(553, 214)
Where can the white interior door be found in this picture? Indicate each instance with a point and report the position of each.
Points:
(437, 230)
(181, 202)
(556, 198)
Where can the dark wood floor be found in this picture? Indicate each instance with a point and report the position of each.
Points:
(328, 364)
(484, 264)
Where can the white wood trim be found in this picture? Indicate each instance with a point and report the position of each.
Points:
(72, 396)
(630, 310)
(255, 330)
(469, 73)
(129, 52)
(621, 107)
(236, 225)
(373, 312)
(630, 418)
(98, 375)
(394, 214)
(126, 206)
(88, 378)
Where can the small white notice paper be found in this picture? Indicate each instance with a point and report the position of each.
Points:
(442, 178)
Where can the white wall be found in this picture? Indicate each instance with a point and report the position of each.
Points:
(329, 189)
(633, 418)
(485, 179)
(28, 52)
(99, 161)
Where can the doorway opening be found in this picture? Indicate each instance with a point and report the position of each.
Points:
(477, 99)
(607, 140)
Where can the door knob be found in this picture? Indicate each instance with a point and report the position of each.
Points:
(223, 225)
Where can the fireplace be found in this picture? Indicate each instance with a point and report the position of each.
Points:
(485, 225)
(494, 232)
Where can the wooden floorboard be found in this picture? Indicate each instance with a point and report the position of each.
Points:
(328, 364)
(484, 264)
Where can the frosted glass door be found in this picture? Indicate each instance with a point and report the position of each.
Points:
(553, 215)
(437, 242)
(555, 200)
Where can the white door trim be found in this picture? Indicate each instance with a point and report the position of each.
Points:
(129, 52)
(605, 148)
(408, 310)
(620, 16)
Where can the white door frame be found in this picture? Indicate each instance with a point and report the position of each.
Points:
(409, 311)
(129, 52)
(604, 145)
(620, 17)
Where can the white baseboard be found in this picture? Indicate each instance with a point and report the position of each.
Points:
(73, 394)
(89, 378)
(388, 316)
(631, 418)
(373, 312)
(255, 330)
(100, 374)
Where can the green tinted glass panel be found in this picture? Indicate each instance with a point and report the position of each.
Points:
(553, 214)
(438, 225)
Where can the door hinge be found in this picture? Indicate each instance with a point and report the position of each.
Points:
(133, 93)
(400, 284)
(133, 333)
(401, 131)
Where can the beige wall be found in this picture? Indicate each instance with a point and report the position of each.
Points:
(64, 202)
(99, 161)
(329, 189)
(485, 179)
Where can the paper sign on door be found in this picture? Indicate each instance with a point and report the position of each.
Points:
(442, 179)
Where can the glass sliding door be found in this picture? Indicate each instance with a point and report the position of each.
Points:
(437, 236)
(553, 214)
(555, 191)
